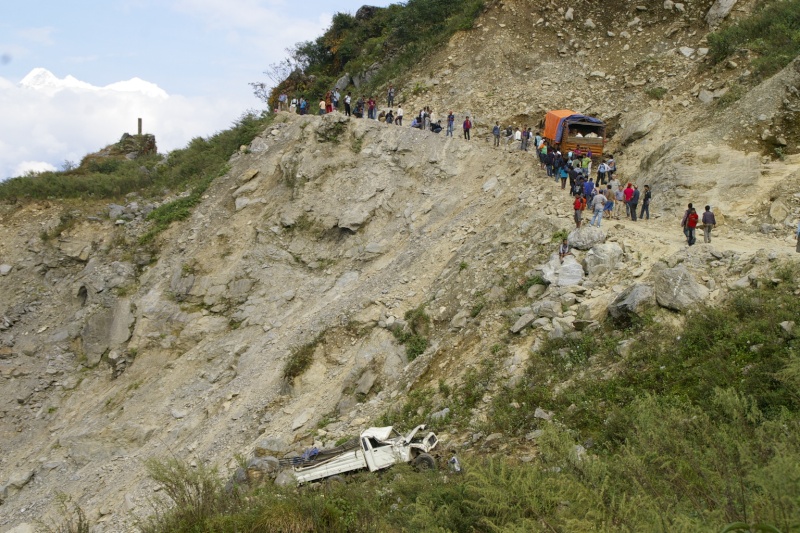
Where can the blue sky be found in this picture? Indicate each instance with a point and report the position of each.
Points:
(201, 52)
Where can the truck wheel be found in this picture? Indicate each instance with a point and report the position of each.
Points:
(335, 480)
(425, 462)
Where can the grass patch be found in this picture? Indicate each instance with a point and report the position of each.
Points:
(772, 33)
(300, 360)
(734, 94)
(656, 93)
(415, 335)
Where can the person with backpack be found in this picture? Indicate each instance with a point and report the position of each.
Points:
(496, 133)
(602, 170)
(467, 126)
(691, 224)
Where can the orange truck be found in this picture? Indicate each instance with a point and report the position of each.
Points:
(568, 130)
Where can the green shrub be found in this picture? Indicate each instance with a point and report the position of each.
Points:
(657, 93)
(772, 32)
(300, 360)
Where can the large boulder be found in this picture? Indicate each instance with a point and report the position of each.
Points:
(677, 289)
(632, 301)
(565, 274)
(602, 259)
(639, 127)
(719, 11)
(570, 272)
(586, 237)
(342, 83)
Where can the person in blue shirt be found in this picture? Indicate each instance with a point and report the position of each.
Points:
(588, 187)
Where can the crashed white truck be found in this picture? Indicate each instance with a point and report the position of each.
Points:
(375, 449)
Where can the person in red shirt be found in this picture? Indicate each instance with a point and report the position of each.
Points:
(691, 224)
(628, 195)
(579, 205)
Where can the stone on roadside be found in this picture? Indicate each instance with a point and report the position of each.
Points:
(570, 14)
(5, 269)
(632, 301)
(602, 259)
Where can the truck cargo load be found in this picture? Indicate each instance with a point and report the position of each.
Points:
(568, 130)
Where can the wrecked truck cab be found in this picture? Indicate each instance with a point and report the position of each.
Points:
(375, 449)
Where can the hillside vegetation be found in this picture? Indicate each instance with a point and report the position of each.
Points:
(113, 177)
(386, 41)
(690, 429)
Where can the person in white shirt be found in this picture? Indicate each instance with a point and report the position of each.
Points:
(399, 119)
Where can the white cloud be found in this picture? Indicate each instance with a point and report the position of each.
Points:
(51, 127)
(267, 27)
(35, 167)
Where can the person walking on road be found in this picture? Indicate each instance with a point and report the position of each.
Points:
(691, 225)
(684, 222)
(708, 224)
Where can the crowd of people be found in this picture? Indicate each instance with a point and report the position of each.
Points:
(363, 107)
(603, 195)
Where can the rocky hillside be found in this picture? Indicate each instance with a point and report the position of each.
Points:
(273, 317)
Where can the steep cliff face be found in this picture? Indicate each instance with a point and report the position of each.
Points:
(326, 231)
(322, 235)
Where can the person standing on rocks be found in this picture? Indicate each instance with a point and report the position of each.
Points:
(390, 96)
(399, 119)
(282, 101)
(467, 127)
(684, 222)
(496, 133)
(347, 100)
(451, 120)
(709, 221)
(563, 250)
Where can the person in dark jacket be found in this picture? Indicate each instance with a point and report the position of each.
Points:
(634, 202)
(646, 203)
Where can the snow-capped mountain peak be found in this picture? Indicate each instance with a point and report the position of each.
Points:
(42, 80)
